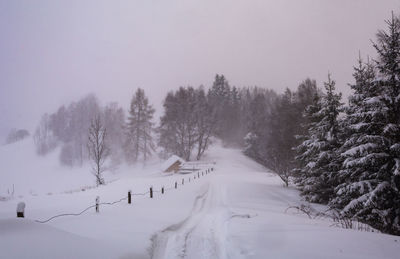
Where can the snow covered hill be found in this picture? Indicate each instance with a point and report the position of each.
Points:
(237, 211)
(26, 173)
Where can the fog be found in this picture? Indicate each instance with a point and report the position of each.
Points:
(54, 52)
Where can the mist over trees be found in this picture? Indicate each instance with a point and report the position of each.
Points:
(44, 138)
(347, 157)
(192, 117)
(186, 123)
(139, 128)
(225, 103)
(68, 129)
(16, 135)
(113, 118)
(273, 130)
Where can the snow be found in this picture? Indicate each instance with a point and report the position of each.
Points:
(25, 173)
(21, 207)
(359, 125)
(236, 211)
(26, 239)
(373, 100)
(360, 149)
(397, 167)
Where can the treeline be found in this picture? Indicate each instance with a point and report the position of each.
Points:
(68, 128)
(127, 138)
(16, 135)
(191, 118)
(345, 156)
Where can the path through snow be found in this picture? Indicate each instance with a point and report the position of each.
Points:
(240, 213)
(202, 234)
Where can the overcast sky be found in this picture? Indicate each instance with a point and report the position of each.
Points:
(54, 52)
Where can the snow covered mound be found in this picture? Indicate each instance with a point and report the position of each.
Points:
(23, 172)
(21, 238)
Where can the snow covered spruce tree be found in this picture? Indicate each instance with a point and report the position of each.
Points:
(139, 128)
(370, 190)
(98, 149)
(364, 150)
(318, 153)
(308, 151)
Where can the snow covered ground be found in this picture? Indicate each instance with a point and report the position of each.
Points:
(237, 211)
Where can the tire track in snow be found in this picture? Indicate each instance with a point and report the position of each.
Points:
(203, 234)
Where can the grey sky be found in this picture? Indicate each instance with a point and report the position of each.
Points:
(54, 52)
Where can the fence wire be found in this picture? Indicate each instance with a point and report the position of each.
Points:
(114, 202)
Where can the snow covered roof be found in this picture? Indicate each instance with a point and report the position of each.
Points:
(170, 161)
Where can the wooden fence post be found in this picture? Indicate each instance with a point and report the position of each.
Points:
(129, 197)
(97, 204)
(21, 210)
(151, 192)
(183, 181)
(176, 185)
(162, 190)
(198, 174)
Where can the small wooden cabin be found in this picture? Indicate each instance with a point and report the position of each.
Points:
(173, 164)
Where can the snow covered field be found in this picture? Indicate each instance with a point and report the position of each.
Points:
(237, 211)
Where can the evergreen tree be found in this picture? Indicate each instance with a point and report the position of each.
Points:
(232, 127)
(139, 128)
(371, 174)
(365, 148)
(388, 64)
(220, 99)
(308, 150)
(168, 129)
(318, 152)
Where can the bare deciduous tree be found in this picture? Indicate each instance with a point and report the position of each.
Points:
(97, 148)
